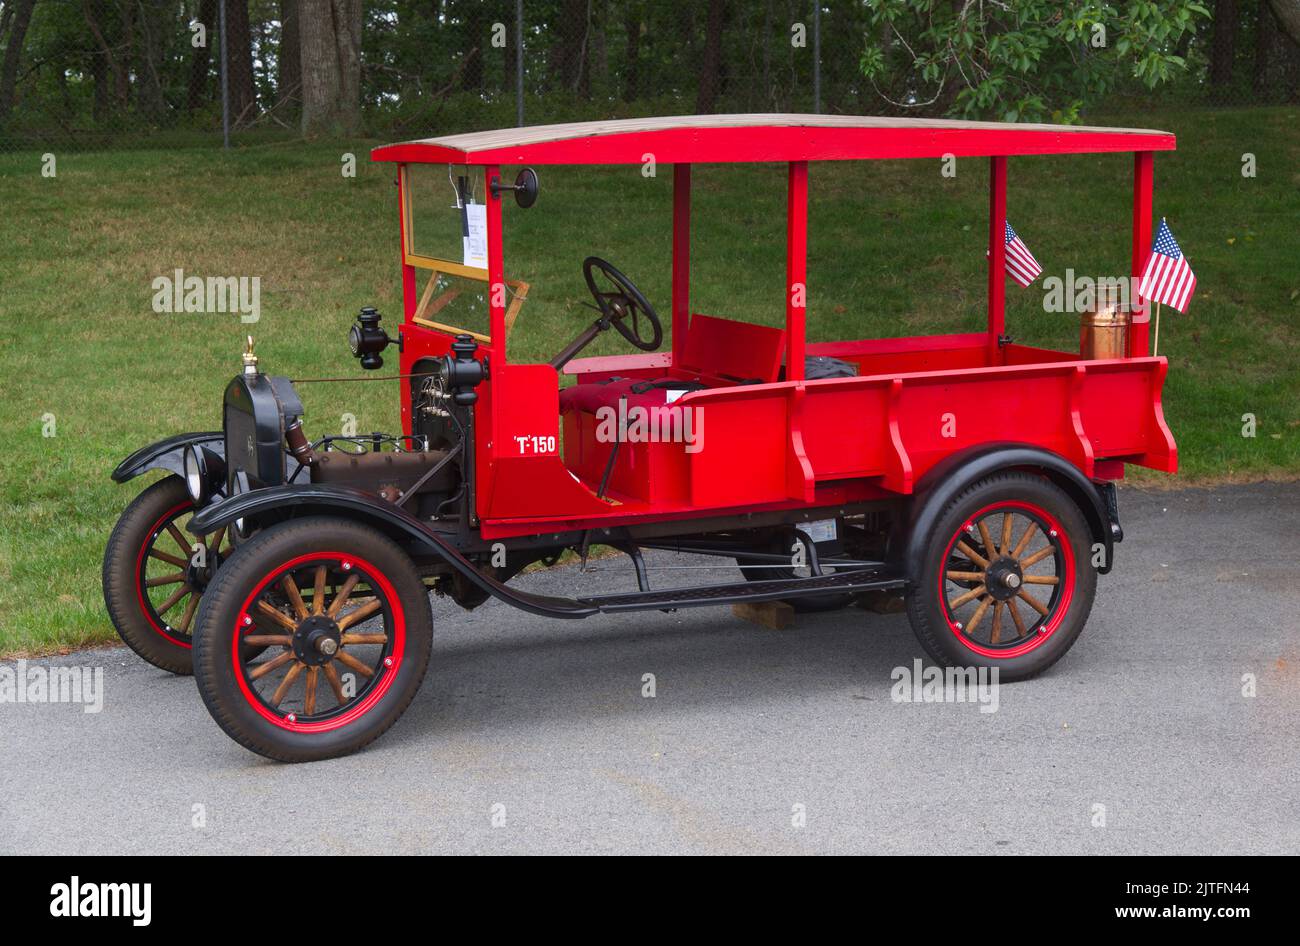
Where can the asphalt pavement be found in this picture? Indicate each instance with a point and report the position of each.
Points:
(1173, 726)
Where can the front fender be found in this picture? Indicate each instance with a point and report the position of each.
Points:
(166, 454)
(278, 503)
(946, 479)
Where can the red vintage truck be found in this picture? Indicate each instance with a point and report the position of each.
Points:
(971, 475)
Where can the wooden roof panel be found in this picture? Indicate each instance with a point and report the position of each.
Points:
(757, 137)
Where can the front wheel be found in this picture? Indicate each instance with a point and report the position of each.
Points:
(1007, 580)
(154, 574)
(347, 628)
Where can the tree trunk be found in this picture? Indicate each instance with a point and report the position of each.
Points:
(766, 73)
(149, 59)
(1276, 68)
(121, 82)
(239, 62)
(347, 40)
(475, 30)
(330, 34)
(320, 67)
(598, 58)
(197, 93)
(1223, 45)
(1288, 17)
(632, 52)
(13, 50)
(289, 61)
(127, 55)
(1265, 43)
(98, 69)
(572, 45)
(711, 62)
(509, 59)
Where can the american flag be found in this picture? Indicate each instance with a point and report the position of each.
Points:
(1021, 265)
(1168, 278)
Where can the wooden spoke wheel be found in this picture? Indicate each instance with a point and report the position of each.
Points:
(155, 573)
(1007, 579)
(1006, 570)
(345, 622)
(332, 635)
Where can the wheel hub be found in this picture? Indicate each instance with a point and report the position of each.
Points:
(197, 577)
(1003, 578)
(317, 640)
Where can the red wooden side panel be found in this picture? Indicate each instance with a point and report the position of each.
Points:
(649, 472)
(950, 359)
(895, 355)
(1123, 415)
(520, 472)
(940, 416)
(746, 445)
(724, 348)
(777, 443)
(828, 417)
(1110, 409)
(1028, 355)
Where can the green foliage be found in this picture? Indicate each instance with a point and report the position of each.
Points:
(1024, 61)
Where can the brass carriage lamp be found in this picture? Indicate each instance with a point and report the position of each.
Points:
(367, 339)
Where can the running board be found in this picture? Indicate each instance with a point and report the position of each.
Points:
(878, 578)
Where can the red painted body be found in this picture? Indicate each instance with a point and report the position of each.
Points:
(772, 440)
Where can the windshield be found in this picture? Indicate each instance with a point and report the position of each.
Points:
(445, 219)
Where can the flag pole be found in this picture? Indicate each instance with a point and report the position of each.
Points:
(1155, 345)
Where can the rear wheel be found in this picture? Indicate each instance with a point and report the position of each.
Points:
(347, 628)
(1006, 581)
(155, 573)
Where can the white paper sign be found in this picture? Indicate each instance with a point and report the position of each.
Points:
(822, 530)
(475, 244)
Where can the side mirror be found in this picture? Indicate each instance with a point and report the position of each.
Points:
(525, 188)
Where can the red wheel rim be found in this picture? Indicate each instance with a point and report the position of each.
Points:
(999, 561)
(263, 684)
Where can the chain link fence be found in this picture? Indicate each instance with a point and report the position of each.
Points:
(117, 73)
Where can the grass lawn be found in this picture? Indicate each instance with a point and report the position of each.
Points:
(895, 249)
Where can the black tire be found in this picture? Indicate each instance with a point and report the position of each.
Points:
(765, 572)
(131, 606)
(1058, 556)
(242, 698)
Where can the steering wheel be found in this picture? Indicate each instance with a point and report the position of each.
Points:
(625, 301)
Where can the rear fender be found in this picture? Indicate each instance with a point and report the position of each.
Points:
(948, 478)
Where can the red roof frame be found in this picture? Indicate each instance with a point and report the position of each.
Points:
(792, 139)
(750, 138)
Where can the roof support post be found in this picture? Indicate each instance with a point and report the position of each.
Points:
(997, 318)
(796, 268)
(404, 243)
(1143, 179)
(495, 266)
(681, 258)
